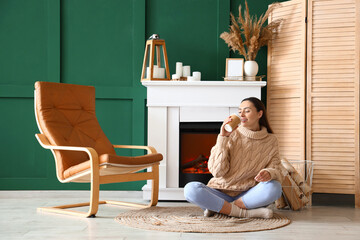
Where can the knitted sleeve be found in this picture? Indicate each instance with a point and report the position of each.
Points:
(219, 160)
(274, 166)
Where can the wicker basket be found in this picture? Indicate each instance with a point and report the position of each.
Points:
(296, 185)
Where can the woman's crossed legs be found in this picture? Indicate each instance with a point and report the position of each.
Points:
(258, 196)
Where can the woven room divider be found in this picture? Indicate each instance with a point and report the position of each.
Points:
(313, 90)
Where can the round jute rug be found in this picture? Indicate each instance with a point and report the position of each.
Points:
(191, 219)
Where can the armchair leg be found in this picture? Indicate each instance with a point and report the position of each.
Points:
(154, 192)
(155, 186)
(93, 204)
(94, 199)
(63, 209)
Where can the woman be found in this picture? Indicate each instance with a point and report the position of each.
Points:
(245, 167)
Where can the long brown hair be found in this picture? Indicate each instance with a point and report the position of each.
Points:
(263, 121)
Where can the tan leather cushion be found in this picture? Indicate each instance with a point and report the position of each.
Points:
(115, 159)
(66, 115)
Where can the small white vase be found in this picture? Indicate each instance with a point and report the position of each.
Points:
(251, 68)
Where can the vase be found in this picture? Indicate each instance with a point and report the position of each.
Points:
(251, 68)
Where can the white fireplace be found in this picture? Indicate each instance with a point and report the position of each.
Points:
(173, 102)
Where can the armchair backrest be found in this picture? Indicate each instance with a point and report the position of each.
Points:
(66, 115)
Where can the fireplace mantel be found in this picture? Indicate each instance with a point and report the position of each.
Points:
(172, 102)
(200, 93)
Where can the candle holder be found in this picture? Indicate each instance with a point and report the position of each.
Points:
(155, 65)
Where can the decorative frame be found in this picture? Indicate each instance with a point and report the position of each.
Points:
(234, 67)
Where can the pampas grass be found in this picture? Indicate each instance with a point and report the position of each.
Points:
(248, 34)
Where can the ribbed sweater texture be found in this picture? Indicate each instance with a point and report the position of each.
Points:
(236, 160)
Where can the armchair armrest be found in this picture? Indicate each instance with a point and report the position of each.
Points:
(44, 142)
(148, 148)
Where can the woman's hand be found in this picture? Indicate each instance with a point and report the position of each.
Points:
(223, 132)
(263, 176)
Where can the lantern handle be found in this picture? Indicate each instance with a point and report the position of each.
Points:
(154, 36)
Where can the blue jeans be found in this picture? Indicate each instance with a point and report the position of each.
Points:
(263, 194)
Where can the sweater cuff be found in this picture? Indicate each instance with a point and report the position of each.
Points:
(273, 173)
(222, 141)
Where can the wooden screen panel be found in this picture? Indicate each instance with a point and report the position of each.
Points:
(333, 95)
(286, 80)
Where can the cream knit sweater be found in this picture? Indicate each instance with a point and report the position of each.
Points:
(236, 160)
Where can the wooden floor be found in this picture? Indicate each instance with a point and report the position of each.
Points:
(20, 220)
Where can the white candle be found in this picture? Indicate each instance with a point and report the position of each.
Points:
(156, 72)
(175, 76)
(191, 79)
(179, 68)
(147, 72)
(186, 71)
(197, 76)
(161, 73)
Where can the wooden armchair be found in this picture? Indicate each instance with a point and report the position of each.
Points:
(65, 114)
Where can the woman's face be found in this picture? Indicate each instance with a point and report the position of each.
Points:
(249, 116)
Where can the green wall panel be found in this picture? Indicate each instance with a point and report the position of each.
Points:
(99, 43)
(191, 31)
(21, 154)
(23, 39)
(29, 32)
(96, 42)
(27, 55)
(115, 118)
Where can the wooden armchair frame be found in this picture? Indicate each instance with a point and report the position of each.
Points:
(96, 179)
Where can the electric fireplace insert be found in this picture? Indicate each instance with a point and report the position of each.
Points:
(196, 141)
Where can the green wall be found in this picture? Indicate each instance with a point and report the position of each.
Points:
(99, 43)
